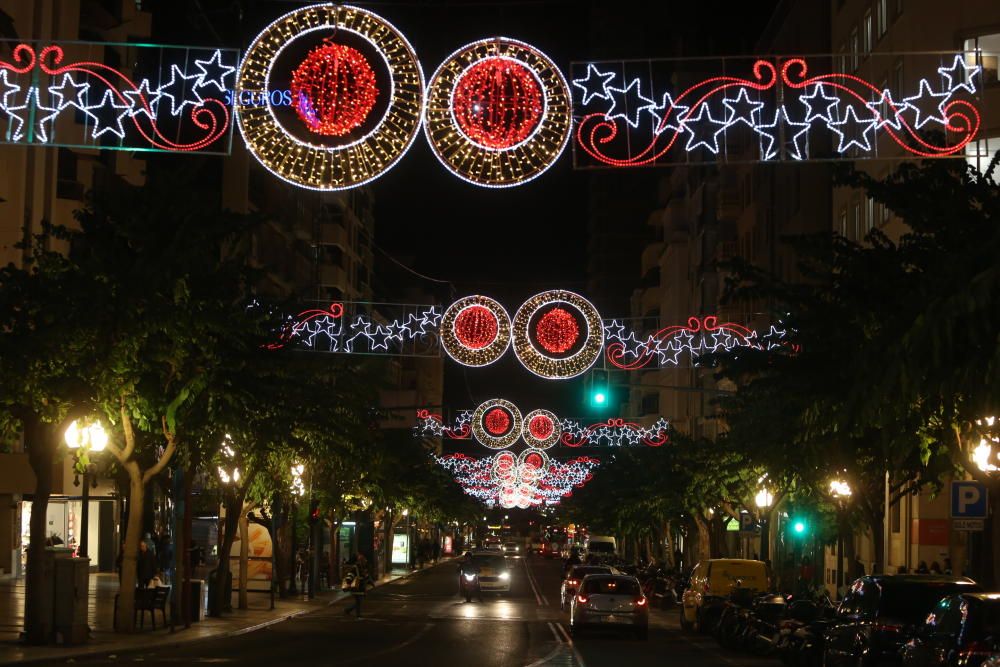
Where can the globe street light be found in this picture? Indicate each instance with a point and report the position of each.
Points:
(83, 439)
(298, 490)
(764, 500)
(983, 452)
(841, 492)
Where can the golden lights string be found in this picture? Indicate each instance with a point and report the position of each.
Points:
(475, 331)
(542, 429)
(499, 112)
(318, 166)
(537, 348)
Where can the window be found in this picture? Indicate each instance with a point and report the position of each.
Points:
(882, 17)
(651, 404)
(897, 76)
(985, 51)
(979, 154)
(869, 215)
(841, 62)
(898, 9)
(896, 517)
(866, 32)
(855, 46)
(856, 221)
(843, 222)
(885, 214)
(883, 108)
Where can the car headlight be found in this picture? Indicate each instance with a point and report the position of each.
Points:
(505, 576)
(470, 577)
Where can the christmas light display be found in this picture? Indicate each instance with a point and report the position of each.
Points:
(330, 102)
(787, 112)
(542, 429)
(524, 481)
(496, 423)
(333, 89)
(475, 331)
(615, 432)
(698, 337)
(178, 106)
(547, 336)
(498, 113)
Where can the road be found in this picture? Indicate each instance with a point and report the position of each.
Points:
(420, 621)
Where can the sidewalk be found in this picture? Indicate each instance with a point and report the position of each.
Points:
(104, 587)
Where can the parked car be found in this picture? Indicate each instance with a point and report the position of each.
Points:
(536, 546)
(961, 631)
(880, 613)
(571, 584)
(609, 601)
(710, 584)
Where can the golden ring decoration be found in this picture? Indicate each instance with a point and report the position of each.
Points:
(317, 166)
(498, 167)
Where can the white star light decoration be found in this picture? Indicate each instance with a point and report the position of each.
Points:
(363, 333)
(697, 122)
(479, 479)
(106, 110)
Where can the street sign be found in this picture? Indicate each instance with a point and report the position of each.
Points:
(968, 500)
(747, 524)
(973, 525)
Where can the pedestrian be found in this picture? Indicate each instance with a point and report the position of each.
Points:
(145, 568)
(947, 566)
(437, 550)
(922, 567)
(935, 568)
(356, 583)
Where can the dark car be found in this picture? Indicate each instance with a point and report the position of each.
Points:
(880, 613)
(961, 631)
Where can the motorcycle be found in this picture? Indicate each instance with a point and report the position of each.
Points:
(801, 642)
(730, 631)
(763, 629)
(469, 584)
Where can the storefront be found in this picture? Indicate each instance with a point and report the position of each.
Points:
(64, 517)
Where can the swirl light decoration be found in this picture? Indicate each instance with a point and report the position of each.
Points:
(496, 423)
(542, 429)
(558, 334)
(499, 112)
(331, 103)
(475, 331)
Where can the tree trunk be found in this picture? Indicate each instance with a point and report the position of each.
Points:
(334, 568)
(703, 543)
(183, 549)
(125, 621)
(669, 546)
(223, 601)
(244, 555)
(878, 541)
(41, 448)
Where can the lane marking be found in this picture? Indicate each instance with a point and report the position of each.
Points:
(365, 658)
(531, 580)
(569, 640)
(551, 654)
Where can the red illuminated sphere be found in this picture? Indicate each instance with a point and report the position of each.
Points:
(476, 327)
(333, 89)
(540, 427)
(557, 331)
(534, 460)
(497, 421)
(498, 103)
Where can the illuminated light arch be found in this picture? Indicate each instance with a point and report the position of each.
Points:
(317, 166)
(484, 434)
(475, 331)
(526, 146)
(546, 363)
(542, 429)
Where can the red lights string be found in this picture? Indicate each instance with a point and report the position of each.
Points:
(541, 427)
(333, 89)
(497, 421)
(557, 331)
(476, 327)
(497, 103)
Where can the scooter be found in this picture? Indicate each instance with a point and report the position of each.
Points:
(469, 584)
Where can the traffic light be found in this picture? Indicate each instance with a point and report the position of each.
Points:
(799, 526)
(313, 512)
(599, 389)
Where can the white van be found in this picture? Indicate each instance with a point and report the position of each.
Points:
(602, 546)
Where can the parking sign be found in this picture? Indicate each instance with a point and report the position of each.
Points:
(968, 500)
(747, 524)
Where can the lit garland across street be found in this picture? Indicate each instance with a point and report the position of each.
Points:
(615, 432)
(369, 146)
(496, 423)
(542, 429)
(553, 348)
(777, 106)
(499, 112)
(475, 331)
(528, 480)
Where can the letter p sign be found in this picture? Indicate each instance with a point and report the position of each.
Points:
(968, 500)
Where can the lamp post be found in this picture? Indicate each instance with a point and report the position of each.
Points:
(841, 493)
(983, 453)
(764, 500)
(298, 490)
(84, 439)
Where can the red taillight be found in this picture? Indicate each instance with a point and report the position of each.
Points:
(582, 599)
(976, 649)
(705, 589)
(641, 602)
(888, 627)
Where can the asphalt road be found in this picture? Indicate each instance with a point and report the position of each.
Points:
(421, 621)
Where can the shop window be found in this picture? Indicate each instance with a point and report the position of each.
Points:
(980, 153)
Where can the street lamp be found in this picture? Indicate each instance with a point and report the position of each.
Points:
(764, 499)
(841, 492)
(983, 452)
(84, 439)
(298, 490)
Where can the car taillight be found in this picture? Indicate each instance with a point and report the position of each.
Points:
(888, 627)
(704, 589)
(641, 602)
(582, 599)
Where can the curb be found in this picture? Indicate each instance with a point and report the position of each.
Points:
(93, 651)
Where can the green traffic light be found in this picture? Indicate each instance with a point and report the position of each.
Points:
(799, 527)
(600, 398)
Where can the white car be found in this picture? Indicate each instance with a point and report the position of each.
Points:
(511, 549)
(494, 575)
(574, 576)
(608, 601)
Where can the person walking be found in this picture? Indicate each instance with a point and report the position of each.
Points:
(356, 582)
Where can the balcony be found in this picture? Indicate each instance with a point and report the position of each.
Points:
(333, 275)
(651, 257)
(333, 234)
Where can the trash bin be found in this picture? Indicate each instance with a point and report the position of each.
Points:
(72, 592)
(198, 594)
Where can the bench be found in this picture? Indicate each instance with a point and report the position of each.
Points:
(151, 600)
